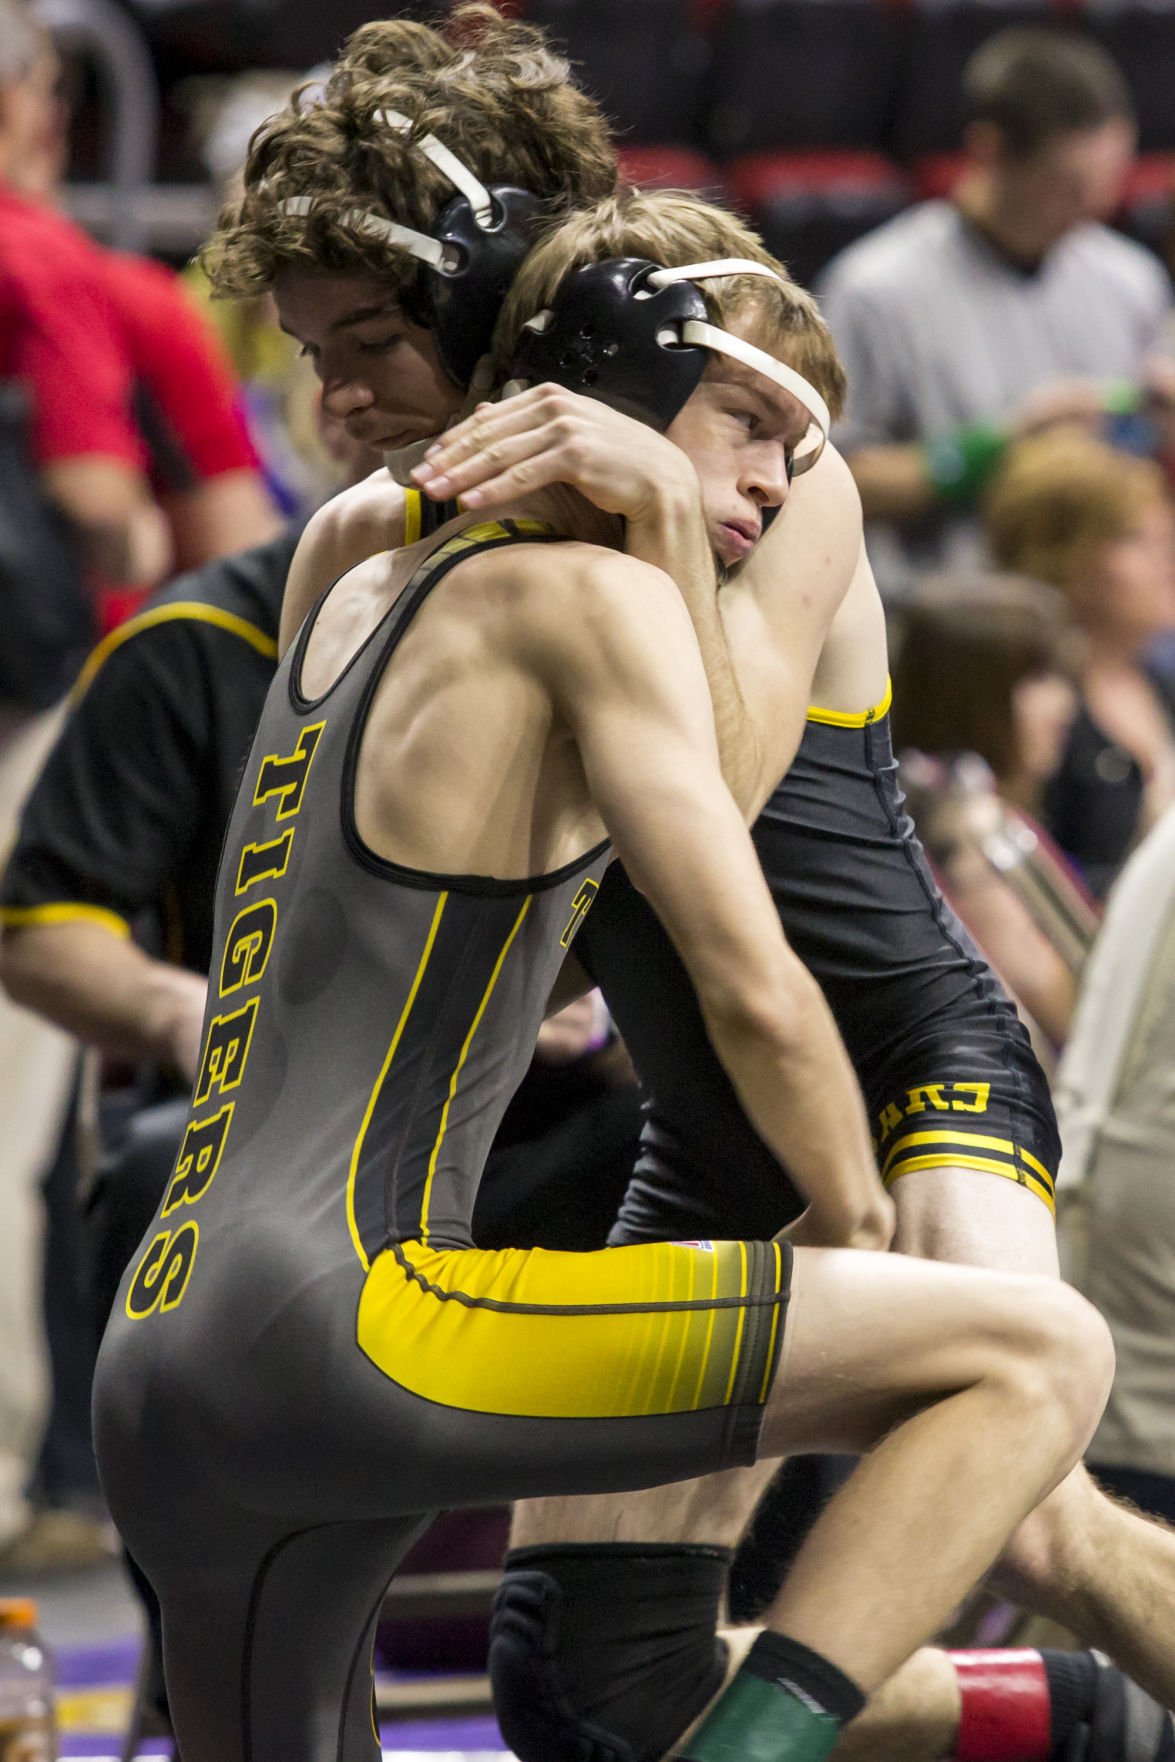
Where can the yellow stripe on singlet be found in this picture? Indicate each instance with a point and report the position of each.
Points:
(380, 1080)
(481, 1009)
(770, 1365)
(413, 516)
(852, 718)
(742, 1318)
(1023, 1167)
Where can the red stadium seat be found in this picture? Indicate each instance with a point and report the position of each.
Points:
(670, 168)
(803, 73)
(937, 174)
(809, 206)
(1148, 210)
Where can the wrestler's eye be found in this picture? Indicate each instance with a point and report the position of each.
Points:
(381, 345)
(747, 419)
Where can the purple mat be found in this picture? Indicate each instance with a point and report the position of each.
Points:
(113, 1665)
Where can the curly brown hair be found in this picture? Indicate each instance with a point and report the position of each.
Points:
(488, 86)
(673, 228)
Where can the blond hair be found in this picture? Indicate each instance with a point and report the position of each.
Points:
(1061, 497)
(673, 228)
(488, 86)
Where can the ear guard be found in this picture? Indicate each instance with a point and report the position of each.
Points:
(637, 337)
(468, 259)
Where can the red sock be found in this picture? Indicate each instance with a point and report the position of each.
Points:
(1006, 1707)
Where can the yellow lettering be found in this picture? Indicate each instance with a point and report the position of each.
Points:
(890, 1119)
(226, 1051)
(286, 778)
(581, 905)
(199, 1159)
(263, 862)
(928, 1095)
(247, 946)
(162, 1275)
(980, 1091)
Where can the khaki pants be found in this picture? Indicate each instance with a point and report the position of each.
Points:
(36, 1062)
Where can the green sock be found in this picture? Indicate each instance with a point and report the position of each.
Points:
(785, 1704)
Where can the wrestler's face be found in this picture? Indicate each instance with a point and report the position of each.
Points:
(739, 430)
(381, 374)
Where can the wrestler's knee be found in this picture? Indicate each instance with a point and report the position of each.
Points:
(1060, 1355)
(605, 1652)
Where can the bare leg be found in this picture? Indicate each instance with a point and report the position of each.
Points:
(1082, 1559)
(713, 1509)
(958, 1376)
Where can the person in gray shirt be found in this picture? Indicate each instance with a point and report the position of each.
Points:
(963, 323)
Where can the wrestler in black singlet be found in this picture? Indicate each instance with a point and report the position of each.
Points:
(309, 1357)
(945, 1064)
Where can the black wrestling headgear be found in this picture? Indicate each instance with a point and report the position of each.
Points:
(468, 258)
(612, 336)
(637, 336)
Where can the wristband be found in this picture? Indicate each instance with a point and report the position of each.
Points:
(958, 464)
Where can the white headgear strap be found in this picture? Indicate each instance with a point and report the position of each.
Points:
(406, 238)
(710, 336)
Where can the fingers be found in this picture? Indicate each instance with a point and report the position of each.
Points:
(517, 464)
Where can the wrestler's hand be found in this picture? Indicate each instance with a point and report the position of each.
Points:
(874, 1231)
(549, 435)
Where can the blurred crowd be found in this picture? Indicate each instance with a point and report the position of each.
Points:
(1011, 428)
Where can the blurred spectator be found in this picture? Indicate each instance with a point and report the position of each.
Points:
(1068, 510)
(202, 466)
(1116, 1105)
(965, 322)
(983, 704)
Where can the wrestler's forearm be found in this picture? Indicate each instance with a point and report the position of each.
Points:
(105, 990)
(671, 533)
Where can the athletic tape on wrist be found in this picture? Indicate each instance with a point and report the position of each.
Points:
(1006, 1708)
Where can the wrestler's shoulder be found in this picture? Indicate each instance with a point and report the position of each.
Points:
(359, 521)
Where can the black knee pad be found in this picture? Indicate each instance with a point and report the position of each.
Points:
(605, 1652)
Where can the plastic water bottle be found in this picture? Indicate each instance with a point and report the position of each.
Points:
(26, 1686)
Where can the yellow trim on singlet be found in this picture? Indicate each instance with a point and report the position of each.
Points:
(413, 516)
(529, 1332)
(379, 1082)
(1009, 1173)
(1034, 1174)
(265, 645)
(852, 718)
(742, 1316)
(941, 1135)
(769, 1368)
(475, 1025)
(17, 917)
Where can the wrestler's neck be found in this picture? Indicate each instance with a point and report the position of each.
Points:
(570, 514)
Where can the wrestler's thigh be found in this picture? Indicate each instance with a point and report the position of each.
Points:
(974, 1219)
(713, 1510)
(871, 1338)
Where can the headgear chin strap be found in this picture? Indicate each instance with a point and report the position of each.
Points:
(636, 336)
(468, 259)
